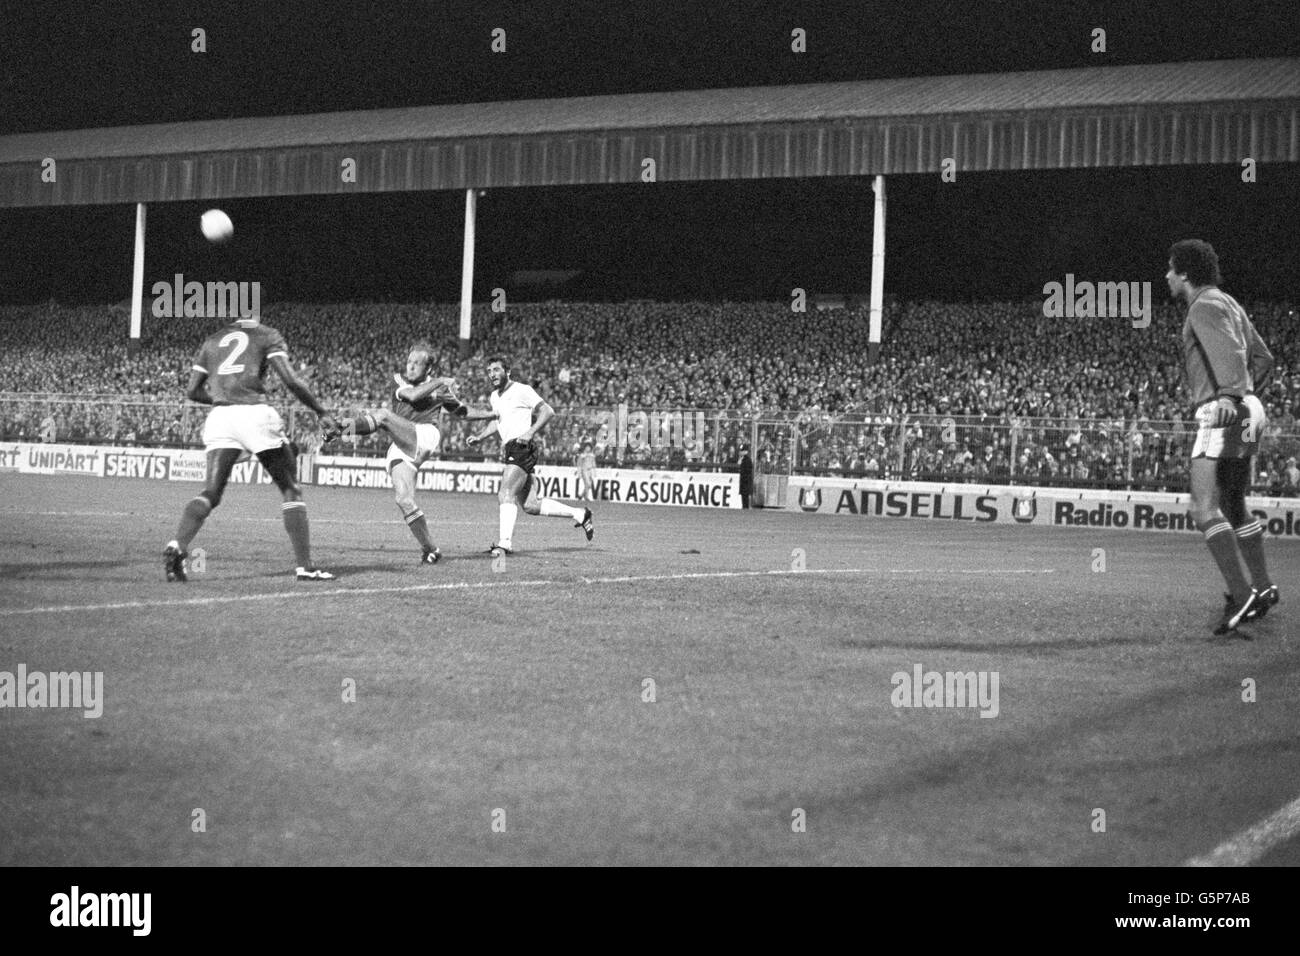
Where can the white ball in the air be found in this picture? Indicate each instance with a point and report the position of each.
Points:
(216, 225)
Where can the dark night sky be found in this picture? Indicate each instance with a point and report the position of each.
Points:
(72, 65)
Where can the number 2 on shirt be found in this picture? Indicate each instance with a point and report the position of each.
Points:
(229, 366)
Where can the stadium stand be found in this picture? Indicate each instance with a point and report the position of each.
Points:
(1024, 397)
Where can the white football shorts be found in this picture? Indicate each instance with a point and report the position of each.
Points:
(427, 442)
(1238, 440)
(253, 428)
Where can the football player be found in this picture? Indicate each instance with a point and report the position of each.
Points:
(586, 465)
(1223, 355)
(521, 415)
(228, 373)
(419, 397)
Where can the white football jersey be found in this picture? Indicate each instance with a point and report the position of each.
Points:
(515, 406)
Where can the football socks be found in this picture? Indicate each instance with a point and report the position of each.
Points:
(509, 512)
(196, 512)
(295, 522)
(419, 528)
(557, 509)
(1223, 546)
(1250, 539)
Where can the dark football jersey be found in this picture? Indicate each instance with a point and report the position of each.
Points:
(236, 359)
(421, 412)
(1216, 347)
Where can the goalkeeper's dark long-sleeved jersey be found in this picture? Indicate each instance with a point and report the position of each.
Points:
(1222, 352)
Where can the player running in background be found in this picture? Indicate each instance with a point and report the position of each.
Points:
(1217, 350)
(228, 373)
(585, 462)
(515, 404)
(420, 395)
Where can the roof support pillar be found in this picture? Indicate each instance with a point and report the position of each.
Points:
(877, 271)
(137, 284)
(467, 275)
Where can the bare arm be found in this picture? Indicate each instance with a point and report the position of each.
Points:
(544, 414)
(413, 393)
(198, 388)
(473, 440)
(295, 384)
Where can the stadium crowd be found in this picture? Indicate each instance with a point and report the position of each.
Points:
(976, 392)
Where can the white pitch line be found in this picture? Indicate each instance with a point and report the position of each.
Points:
(276, 520)
(1250, 844)
(476, 585)
(315, 519)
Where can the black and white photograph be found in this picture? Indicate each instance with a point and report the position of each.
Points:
(577, 434)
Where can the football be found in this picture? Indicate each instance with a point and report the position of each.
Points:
(216, 226)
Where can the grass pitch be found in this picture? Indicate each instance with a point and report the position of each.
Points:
(522, 689)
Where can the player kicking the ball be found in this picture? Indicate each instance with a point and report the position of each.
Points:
(228, 373)
(515, 405)
(1226, 360)
(416, 403)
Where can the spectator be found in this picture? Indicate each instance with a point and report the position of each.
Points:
(1290, 478)
(746, 476)
(1077, 398)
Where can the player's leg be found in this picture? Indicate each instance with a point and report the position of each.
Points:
(1250, 532)
(363, 424)
(281, 466)
(399, 429)
(403, 432)
(514, 489)
(220, 463)
(197, 509)
(1220, 539)
(528, 499)
(1234, 483)
(403, 474)
(550, 507)
(554, 508)
(1234, 478)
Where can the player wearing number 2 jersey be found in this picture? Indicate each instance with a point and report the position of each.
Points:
(228, 373)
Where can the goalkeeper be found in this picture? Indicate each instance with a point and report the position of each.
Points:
(419, 397)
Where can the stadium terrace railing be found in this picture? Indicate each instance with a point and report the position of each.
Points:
(1127, 454)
